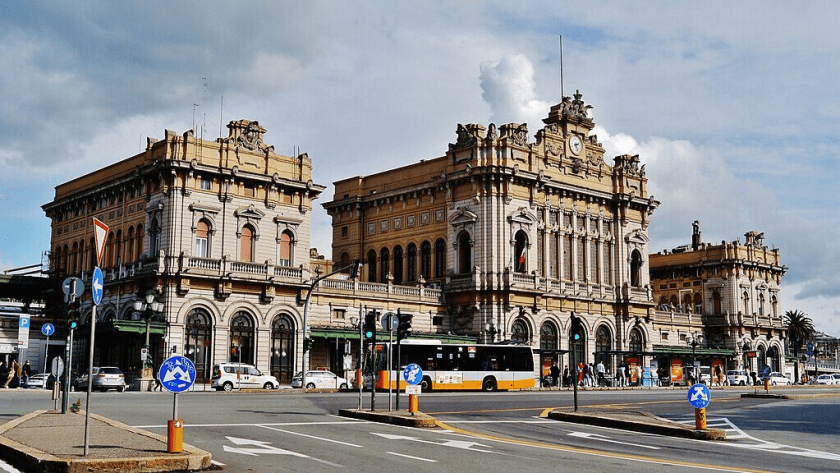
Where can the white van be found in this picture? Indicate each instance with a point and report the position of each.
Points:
(229, 376)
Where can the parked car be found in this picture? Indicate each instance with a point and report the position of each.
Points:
(825, 379)
(320, 379)
(836, 377)
(37, 381)
(776, 378)
(104, 378)
(230, 376)
(738, 378)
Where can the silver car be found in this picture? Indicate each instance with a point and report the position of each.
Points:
(320, 379)
(776, 378)
(104, 378)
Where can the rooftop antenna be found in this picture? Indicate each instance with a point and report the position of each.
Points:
(561, 68)
(221, 114)
(203, 110)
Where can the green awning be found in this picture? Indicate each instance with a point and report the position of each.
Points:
(139, 326)
(381, 336)
(688, 351)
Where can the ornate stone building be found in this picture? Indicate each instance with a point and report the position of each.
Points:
(218, 232)
(517, 232)
(725, 298)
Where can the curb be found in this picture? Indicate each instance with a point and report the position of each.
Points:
(657, 425)
(401, 417)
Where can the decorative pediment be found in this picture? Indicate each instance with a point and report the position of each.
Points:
(249, 212)
(637, 237)
(523, 216)
(462, 216)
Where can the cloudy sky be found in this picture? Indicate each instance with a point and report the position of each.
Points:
(732, 106)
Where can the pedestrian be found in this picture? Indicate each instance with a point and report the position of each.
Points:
(601, 372)
(25, 373)
(627, 375)
(158, 386)
(718, 375)
(555, 374)
(621, 376)
(640, 373)
(567, 381)
(14, 375)
(579, 379)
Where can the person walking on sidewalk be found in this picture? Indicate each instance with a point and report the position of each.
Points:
(601, 372)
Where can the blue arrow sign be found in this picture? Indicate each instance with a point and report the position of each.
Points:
(48, 329)
(413, 374)
(96, 285)
(699, 396)
(177, 374)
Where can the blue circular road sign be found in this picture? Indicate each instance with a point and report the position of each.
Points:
(177, 374)
(96, 285)
(699, 396)
(48, 329)
(413, 374)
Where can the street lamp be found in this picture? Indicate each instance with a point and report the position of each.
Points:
(491, 331)
(148, 309)
(695, 342)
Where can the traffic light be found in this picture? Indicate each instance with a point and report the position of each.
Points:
(370, 327)
(307, 344)
(73, 315)
(576, 328)
(404, 327)
(355, 267)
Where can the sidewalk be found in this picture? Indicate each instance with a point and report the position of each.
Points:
(50, 442)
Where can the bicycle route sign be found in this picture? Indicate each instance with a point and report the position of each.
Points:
(413, 374)
(177, 374)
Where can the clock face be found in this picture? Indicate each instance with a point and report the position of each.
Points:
(575, 144)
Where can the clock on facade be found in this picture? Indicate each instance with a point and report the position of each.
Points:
(575, 144)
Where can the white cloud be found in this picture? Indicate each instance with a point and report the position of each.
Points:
(508, 87)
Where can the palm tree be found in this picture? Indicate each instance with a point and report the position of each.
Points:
(800, 329)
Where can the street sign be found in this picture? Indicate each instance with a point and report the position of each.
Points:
(48, 330)
(23, 331)
(100, 230)
(96, 285)
(57, 367)
(413, 374)
(177, 374)
(73, 285)
(413, 389)
(390, 321)
(699, 396)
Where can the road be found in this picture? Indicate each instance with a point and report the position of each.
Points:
(292, 431)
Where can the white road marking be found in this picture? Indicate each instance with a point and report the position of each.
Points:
(602, 438)
(411, 457)
(309, 436)
(448, 443)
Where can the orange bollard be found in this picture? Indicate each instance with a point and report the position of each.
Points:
(700, 418)
(767, 385)
(175, 436)
(413, 403)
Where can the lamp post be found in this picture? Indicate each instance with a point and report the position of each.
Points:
(695, 342)
(148, 309)
(491, 331)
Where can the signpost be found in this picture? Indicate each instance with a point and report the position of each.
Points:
(413, 375)
(699, 397)
(23, 331)
(47, 330)
(100, 232)
(176, 375)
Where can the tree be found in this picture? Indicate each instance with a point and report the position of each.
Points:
(800, 329)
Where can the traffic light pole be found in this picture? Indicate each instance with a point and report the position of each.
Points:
(354, 267)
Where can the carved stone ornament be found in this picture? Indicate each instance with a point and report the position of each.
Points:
(247, 134)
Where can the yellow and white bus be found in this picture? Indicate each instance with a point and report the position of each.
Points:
(462, 366)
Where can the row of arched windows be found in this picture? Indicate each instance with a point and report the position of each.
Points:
(203, 244)
(550, 341)
(120, 247)
(242, 343)
(407, 265)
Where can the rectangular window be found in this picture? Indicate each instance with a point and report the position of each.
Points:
(567, 257)
(581, 262)
(552, 256)
(338, 314)
(344, 231)
(205, 184)
(593, 260)
(250, 190)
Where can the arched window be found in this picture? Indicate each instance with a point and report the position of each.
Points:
(398, 265)
(717, 303)
(440, 258)
(384, 264)
(242, 338)
(520, 332)
(140, 241)
(687, 303)
(197, 345)
(464, 253)
(636, 341)
(746, 298)
(283, 348)
(154, 238)
(425, 260)
(118, 253)
(74, 258)
(698, 303)
(520, 252)
(285, 251)
(91, 262)
(246, 244)
(603, 344)
(202, 239)
(761, 304)
(344, 260)
(131, 256)
(774, 306)
(111, 250)
(548, 336)
(371, 266)
(636, 269)
(411, 263)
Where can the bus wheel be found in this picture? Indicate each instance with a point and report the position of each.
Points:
(426, 384)
(489, 384)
